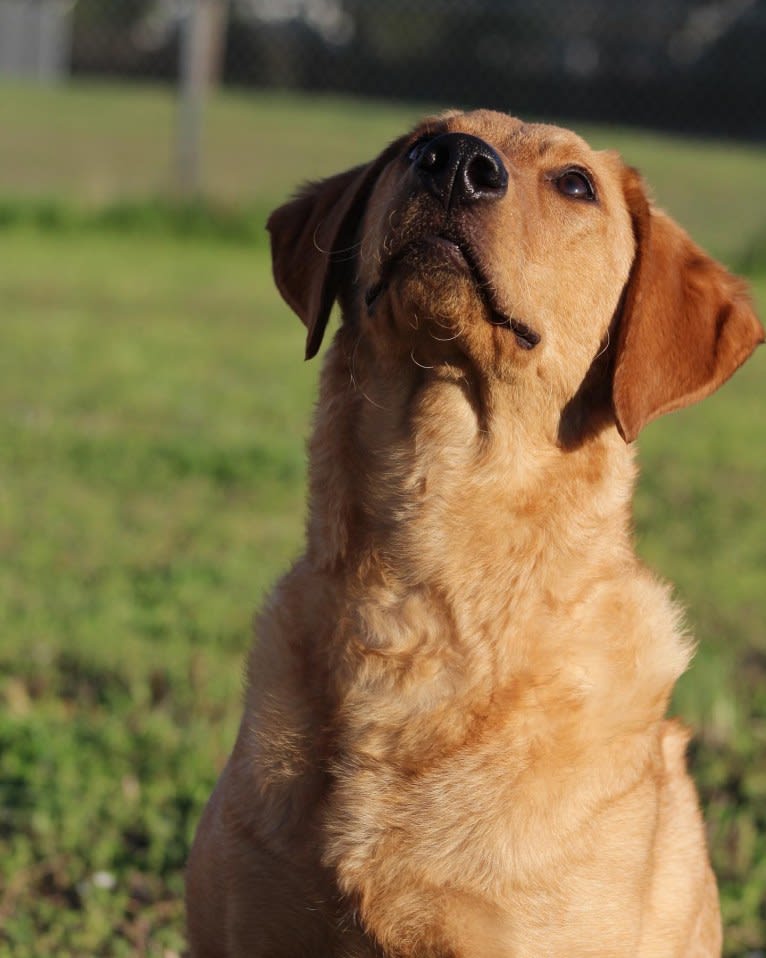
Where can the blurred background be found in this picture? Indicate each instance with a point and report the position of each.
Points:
(154, 404)
(675, 64)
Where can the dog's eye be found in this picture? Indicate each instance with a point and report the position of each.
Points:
(415, 151)
(575, 183)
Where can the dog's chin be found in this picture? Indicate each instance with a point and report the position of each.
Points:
(431, 302)
(437, 281)
(416, 260)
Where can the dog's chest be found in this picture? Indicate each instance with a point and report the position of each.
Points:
(467, 778)
(471, 836)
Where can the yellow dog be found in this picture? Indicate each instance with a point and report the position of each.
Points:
(454, 742)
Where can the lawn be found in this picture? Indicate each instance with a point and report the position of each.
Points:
(95, 145)
(153, 409)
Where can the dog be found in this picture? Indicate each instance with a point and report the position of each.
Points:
(454, 741)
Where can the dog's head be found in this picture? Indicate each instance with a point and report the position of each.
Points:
(518, 254)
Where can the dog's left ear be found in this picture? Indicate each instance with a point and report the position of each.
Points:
(686, 323)
(313, 239)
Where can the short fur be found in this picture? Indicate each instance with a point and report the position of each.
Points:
(454, 742)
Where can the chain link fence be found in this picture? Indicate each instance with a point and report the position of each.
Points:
(688, 65)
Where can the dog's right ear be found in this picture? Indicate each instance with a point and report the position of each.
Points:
(686, 323)
(313, 241)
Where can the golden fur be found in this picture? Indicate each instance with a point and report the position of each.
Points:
(454, 743)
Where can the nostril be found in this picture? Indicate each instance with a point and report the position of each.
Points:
(485, 173)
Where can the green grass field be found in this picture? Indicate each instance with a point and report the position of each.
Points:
(153, 409)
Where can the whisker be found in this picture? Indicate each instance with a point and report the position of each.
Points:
(412, 357)
(604, 348)
(330, 252)
(446, 339)
(355, 384)
(442, 325)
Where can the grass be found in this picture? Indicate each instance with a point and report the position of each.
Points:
(101, 145)
(153, 408)
(117, 142)
(152, 454)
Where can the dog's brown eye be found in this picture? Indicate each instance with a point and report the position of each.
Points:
(575, 183)
(417, 147)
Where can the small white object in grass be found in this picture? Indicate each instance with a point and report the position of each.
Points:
(105, 880)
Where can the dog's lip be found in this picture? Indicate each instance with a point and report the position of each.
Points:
(459, 253)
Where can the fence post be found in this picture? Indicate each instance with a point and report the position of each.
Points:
(202, 36)
(35, 39)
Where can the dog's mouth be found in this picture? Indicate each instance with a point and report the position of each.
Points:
(456, 253)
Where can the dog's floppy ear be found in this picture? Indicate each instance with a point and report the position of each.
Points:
(686, 323)
(312, 242)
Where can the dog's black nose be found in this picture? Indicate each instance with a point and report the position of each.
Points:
(458, 168)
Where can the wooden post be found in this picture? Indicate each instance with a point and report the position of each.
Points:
(202, 37)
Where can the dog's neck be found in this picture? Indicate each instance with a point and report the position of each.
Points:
(415, 469)
(451, 539)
